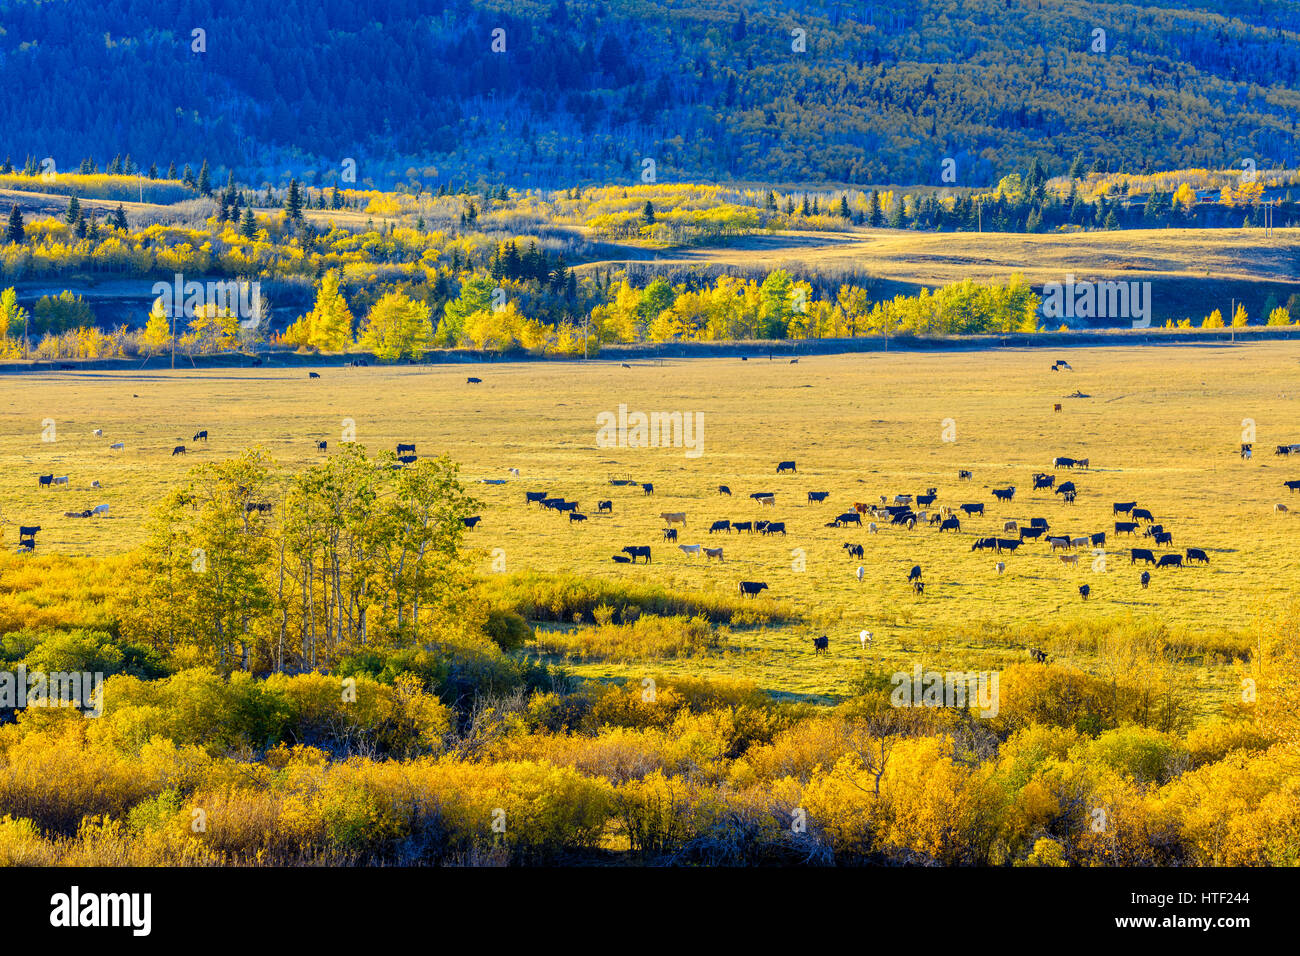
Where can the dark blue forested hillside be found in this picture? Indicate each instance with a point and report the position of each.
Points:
(710, 89)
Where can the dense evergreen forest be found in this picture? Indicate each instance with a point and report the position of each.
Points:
(584, 92)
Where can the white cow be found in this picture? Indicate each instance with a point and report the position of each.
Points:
(689, 548)
(99, 433)
(861, 571)
(118, 447)
(1001, 567)
(99, 510)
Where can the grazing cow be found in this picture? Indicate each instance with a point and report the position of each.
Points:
(1069, 558)
(1278, 508)
(576, 516)
(99, 510)
(1142, 514)
(1044, 481)
(1010, 526)
(44, 481)
(904, 518)
(1056, 407)
(513, 471)
(918, 587)
(1007, 544)
(200, 436)
(767, 501)
(750, 588)
(1000, 567)
(621, 482)
(1141, 554)
(647, 489)
(1170, 561)
(973, 509)
(1122, 507)
(1004, 494)
(638, 551)
(1069, 497)
(849, 517)
(964, 475)
(854, 550)
(567, 506)
(1283, 450)
(902, 499)
(1164, 537)
(720, 526)
(772, 527)
(117, 446)
(1084, 591)
(604, 506)
(785, 466)
(1037, 655)
(178, 450)
(1064, 488)
(473, 381)
(982, 544)
(820, 644)
(1080, 542)
(759, 526)
(1063, 543)
(1063, 463)
(713, 553)
(817, 497)
(670, 534)
(724, 490)
(1082, 463)
(674, 517)
(950, 524)
(403, 448)
(1146, 578)
(622, 559)
(1099, 538)
(534, 497)
(322, 445)
(61, 480)
(98, 433)
(313, 374)
(1292, 485)
(915, 573)
(1038, 523)
(861, 508)
(871, 528)
(762, 494)
(407, 459)
(1032, 533)
(1196, 554)
(739, 526)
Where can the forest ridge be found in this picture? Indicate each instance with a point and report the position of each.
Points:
(585, 92)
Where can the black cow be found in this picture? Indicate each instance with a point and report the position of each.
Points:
(925, 500)
(1084, 591)
(473, 521)
(261, 507)
(200, 436)
(1063, 463)
(854, 550)
(904, 517)
(724, 490)
(638, 551)
(1037, 655)
(762, 494)
(982, 544)
(1099, 538)
(1170, 561)
(534, 497)
(1196, 554)
(1153, 530)
(1292, 485)
(720, 526)
(45, 481)
(1141, 554)
(407, 459)
(576, 516)
(622, 559)
(817, 497)
(603, 506)
(1126, 527)
(473, 381)
(178, 450)
(647, 488)
(1283, 450)
(1141, 514)
(1004, 494)
(1146, 578)
(1032, 533)
(313, 374)
(759, 526)
(783, 466)
(973, 509)
(820, 644)
(1064, 488)
(918, 587)
(1164, 537)
(1044, 481)
(950, 524)
(750, 588)
(670, 534)
(1007, 544)
(915, 573)
(849, 517)
(772, 527)
(567, 506)
(28, 531)
(322, 445)
(402, 449)
(739, 526)
(1122, 507)
(1038, 523)
(964, 475)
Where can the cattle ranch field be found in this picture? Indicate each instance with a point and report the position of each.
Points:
(1159, 425)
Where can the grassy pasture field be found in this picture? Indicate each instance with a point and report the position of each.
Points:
(1160, 425)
